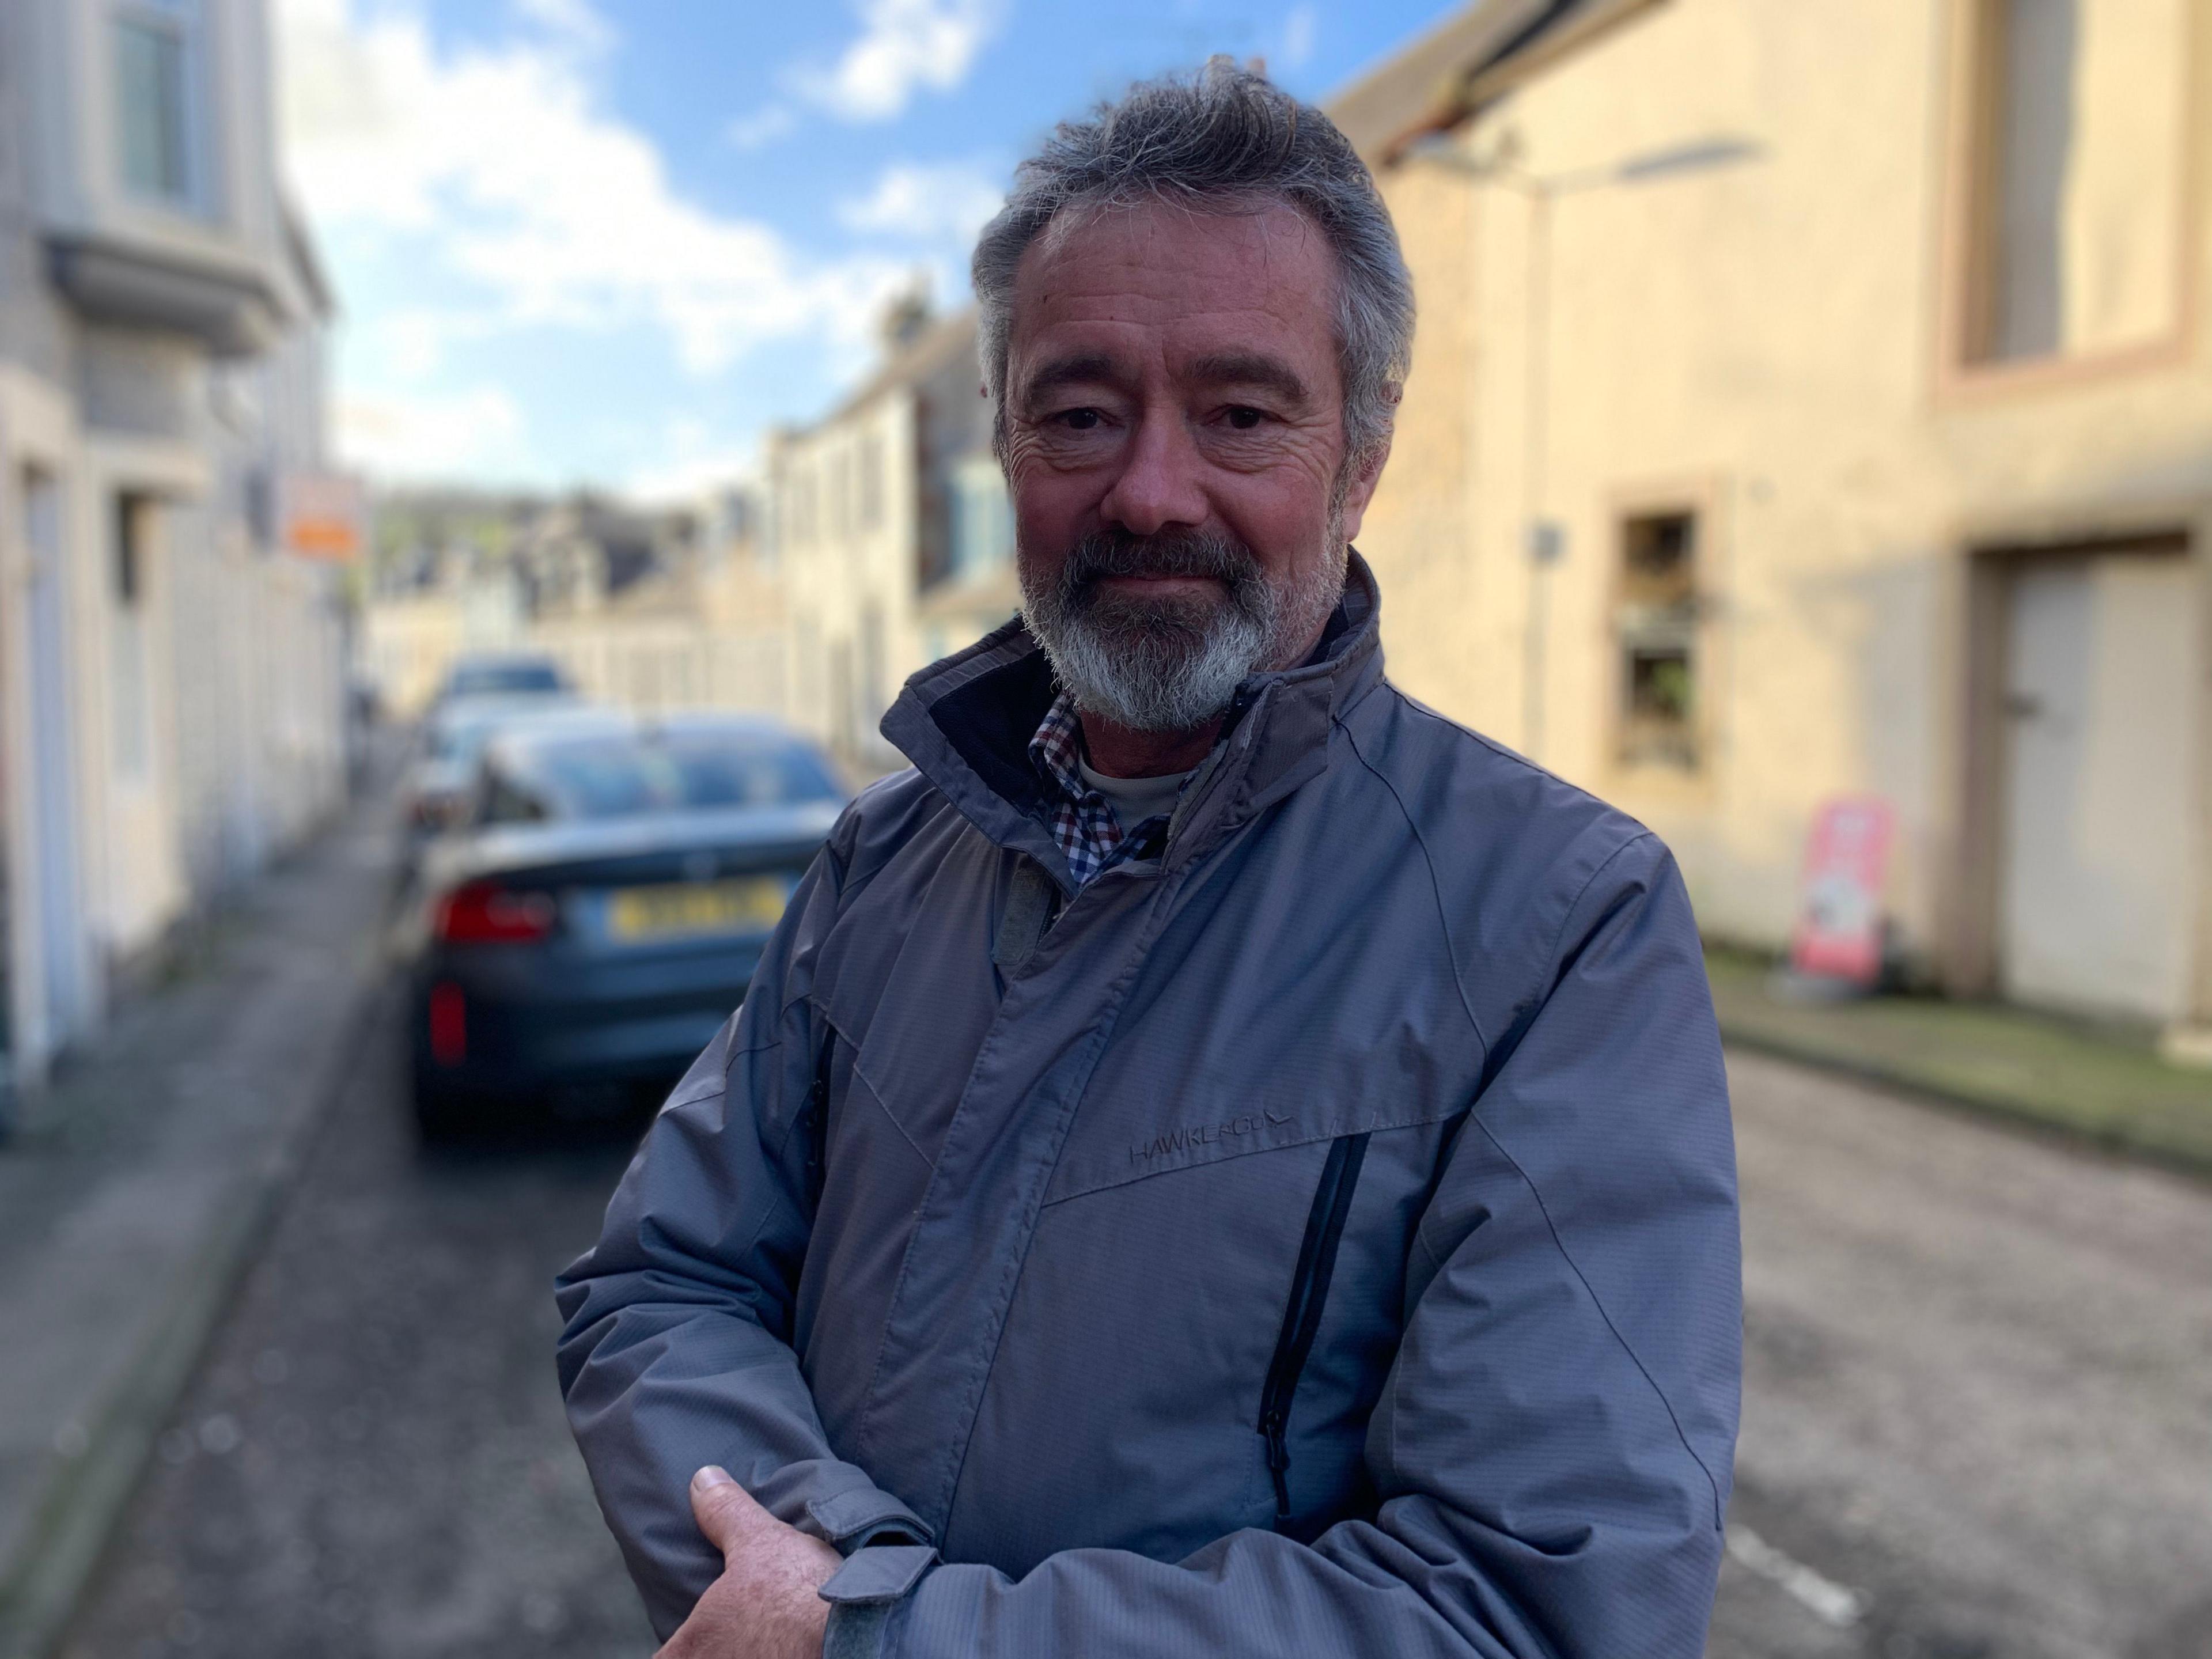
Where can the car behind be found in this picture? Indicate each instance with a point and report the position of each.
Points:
(511, 674)
(435, 795)
(603, 911)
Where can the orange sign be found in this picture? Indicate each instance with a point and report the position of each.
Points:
(324, 516)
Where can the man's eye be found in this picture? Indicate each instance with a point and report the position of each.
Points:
(1078, 420)
(1243, 419)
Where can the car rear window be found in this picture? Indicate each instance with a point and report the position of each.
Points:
(478, 678)
(612, 775)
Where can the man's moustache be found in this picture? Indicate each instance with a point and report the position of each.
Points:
(1099, 558)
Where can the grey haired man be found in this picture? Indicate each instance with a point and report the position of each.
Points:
(1217, 1159)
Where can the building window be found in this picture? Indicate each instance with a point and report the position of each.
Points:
(2075, 176)
(1656, 624)
(872, 482)
(128, 688)
(154, 99)
(982, 519)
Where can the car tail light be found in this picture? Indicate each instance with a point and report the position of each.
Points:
(449, 1023)
(484, 912)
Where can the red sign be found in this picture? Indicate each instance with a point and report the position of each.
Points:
(1839, 933)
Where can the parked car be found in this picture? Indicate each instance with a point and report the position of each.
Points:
(602, 912)
(434, 797)
(512, 674)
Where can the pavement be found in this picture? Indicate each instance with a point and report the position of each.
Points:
(141, 1183)
(2105, 1085)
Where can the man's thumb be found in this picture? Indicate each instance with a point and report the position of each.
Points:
(725, 1510)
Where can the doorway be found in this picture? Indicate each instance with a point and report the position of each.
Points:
(50, 773)
(2096, 810)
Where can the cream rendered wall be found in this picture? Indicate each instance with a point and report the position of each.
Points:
(844, 567)
(1759, 340)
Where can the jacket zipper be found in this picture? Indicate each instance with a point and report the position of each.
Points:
(1301, 1314)
(815, 1125)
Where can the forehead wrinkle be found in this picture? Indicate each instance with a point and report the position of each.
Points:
(1255, 368)
(1073, 368)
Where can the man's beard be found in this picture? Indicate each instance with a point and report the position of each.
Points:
(1169, 663)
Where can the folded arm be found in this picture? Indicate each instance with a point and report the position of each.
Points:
(677, 1351)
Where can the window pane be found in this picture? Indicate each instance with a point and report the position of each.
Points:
(1655, 622)
(2084, 119)
(150, 109)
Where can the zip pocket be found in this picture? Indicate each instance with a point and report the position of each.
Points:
(814, 1125)
(1302, 1313)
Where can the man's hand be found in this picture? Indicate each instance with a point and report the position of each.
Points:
(765, 1605)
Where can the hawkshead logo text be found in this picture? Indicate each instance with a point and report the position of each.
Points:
(1202, 1135)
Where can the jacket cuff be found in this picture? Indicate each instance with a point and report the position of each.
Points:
(855, 1629)
(861, 1594)
(854, 1518)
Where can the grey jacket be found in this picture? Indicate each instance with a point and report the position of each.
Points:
(1318, 1238)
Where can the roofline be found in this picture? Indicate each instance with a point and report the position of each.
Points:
(945, 337)
(1487, 51)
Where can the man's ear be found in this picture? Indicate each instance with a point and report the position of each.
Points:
(1361, 490)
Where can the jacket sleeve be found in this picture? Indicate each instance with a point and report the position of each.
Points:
(1552, 1447)
(677, 1347)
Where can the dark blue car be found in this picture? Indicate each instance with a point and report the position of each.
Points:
(602, 913)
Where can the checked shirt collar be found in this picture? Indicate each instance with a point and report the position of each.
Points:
(1082, 824)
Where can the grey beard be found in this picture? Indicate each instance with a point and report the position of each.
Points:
(1169, 665)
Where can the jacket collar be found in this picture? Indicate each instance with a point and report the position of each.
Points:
(966, 723)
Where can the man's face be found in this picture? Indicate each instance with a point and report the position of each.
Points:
(1174, 444)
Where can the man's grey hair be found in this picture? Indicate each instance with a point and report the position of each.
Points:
(1224, 140)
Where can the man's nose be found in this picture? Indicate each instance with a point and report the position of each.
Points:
(1158, 485)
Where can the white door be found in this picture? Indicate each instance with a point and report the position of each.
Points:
(2098, 880)
(50, 774)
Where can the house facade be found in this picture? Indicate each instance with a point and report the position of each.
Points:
(892, 536)
(1812, 401)
(172, 665)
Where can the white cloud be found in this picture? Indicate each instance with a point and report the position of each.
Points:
(951, 200)
(572, 23)
(904, 46)
(763, 127)
(503, 161)
(1301, 31)
(476, 434)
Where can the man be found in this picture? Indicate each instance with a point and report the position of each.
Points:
(1217, 1160)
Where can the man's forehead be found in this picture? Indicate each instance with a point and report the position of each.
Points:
(1209, 280)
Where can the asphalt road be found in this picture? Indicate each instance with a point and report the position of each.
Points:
(1977, 1391)
(1978, 1419)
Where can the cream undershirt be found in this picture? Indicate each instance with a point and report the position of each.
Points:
(1134, 799)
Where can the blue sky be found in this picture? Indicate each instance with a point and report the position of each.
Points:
(579, 241)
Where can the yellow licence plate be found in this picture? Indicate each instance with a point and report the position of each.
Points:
(684, 908)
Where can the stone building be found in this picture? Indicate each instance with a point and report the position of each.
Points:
(891, 531)
(172, 672)
(1811, 401)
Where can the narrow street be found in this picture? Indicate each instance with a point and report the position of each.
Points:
(373, 1461)
(1979, 1421)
